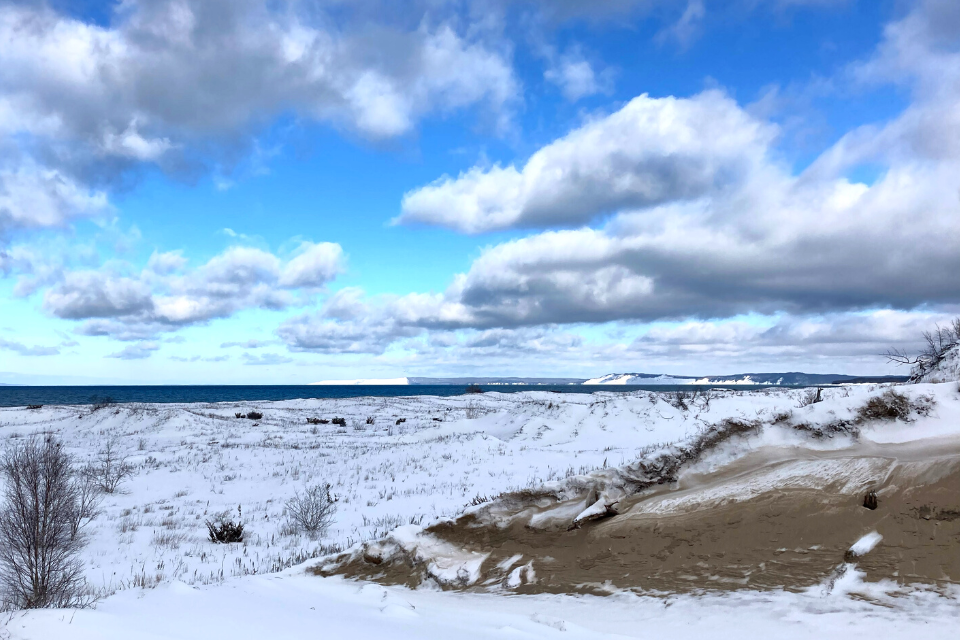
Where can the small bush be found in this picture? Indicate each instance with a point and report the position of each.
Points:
(401, 420)
(312, 511)
(891, 405)
(239, 415)
(223, 530)
(370, 420)
(680, 399)
(315, 421)
(110, 468)
(474, 388)
(98, 402)
(342, 422)
(811, 397)
(34, 406)
(254, 415)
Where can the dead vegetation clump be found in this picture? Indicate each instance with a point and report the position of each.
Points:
(891, 405)
(664, 468)
(811, 397)
(223, 530)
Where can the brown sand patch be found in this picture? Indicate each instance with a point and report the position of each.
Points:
(785, 519)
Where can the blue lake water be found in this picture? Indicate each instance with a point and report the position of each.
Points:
(18, 396)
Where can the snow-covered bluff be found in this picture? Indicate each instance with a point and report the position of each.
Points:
(947, 370)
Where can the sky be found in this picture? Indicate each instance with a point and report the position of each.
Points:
(249, 192)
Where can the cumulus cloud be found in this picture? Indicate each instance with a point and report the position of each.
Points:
(705, 224)
(32, 197)
(167, 81)
(652, 151)
(166, 295)
(156, 74)
(708, 224)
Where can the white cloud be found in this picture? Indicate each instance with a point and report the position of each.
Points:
(166, 295)
(652, 151)
(158, 71)
(314, 266)
(33, 197)
(575, 76)
(705, 224)
(180, 83)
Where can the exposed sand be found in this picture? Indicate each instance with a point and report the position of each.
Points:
(775, 518)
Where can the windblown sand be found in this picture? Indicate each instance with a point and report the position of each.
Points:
(773, 519)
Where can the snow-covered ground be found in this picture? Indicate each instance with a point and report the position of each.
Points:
(149, 553)
(291, 605)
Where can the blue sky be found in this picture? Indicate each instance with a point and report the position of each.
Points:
(248, 192)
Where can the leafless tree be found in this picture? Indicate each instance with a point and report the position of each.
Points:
(40, 527)
(939, 342)
(110, 467)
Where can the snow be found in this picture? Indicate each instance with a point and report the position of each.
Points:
(866, 544)
(947, 370)
(365, 381)
(636, 378)
(292, 605)
(195, 460)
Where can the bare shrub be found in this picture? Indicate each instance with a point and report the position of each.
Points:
(110, 468)
(254, 415)
(474, 388)
(891, 405)
(104, 402)
(40, 527)
(811, 397)
(223, 530)
(679, 400)
(312, 510)
(339, 421)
